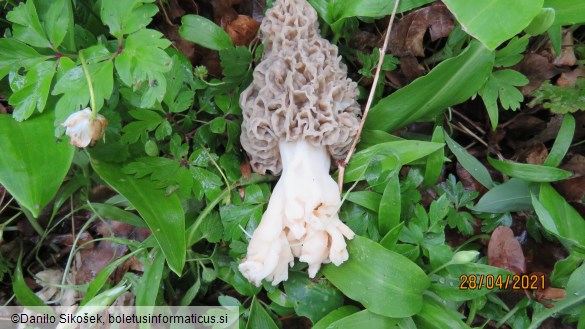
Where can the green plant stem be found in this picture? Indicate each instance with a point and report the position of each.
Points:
(72, 253)
(507, 316)
(71, 28)
(3, 225)
(472, 312)
(89, 85)
(193, 228)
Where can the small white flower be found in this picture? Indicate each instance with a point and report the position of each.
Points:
(83, 129)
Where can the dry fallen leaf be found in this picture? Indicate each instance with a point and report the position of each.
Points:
(407, 36)
(567, 56)
(573, 189)
(411, 68)
(536, 154)
(223, 13)
(467, 180)
(568, 79)
(537, 69)
(242, 30)
(504, 251)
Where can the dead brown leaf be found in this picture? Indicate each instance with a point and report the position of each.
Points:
(223, 13)
(568, 79)
(573, 189)
(567, 56)
(411, 68)
(468, 181)
(246, 170)
(504, 251)
(576, 164)
(242, 30)
(361, 40)
(537, 69)
(407, 36)
(175, 10)
(92, 261)
(550, 294)
(536, 154)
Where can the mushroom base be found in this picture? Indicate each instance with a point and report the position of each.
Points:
(301, 219)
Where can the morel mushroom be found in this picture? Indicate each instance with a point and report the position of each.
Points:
(299, 112)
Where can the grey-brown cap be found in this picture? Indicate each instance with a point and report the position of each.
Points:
(300, 90)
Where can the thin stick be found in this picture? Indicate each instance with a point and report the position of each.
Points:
(341, 165)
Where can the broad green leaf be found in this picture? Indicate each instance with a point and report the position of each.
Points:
(35, 91)
(501, 86)
(235, 216)
(217, 125)
(436, 316)
(259, 318)
(147, 288)
(435, 160)
(562, 142)
(23, 293)
(128, 16)
(100, 279)
(15, 54)
(451, 286)
(236, 64)
(364, 319)
(513, 195)
(27, 27)
(568, 223)
(390, 239)
(141, 65)
(530, 172)
(97, 304)
(542, 22)
(512, 53)
(335, 315)
(280, 298)
(470, 163)
(334, 12)
(73, 86)
(567, 12)
(494, 21)
(211, 229)
(54, 17)
(116, 214)
(385, 282)
(312, 299)
(367, 199)
(563, 270)
(163, 214)
(390, 205)
(147, 121)
(340, 9)
(204, 32)
(453, 81)
(406, 151)
(32, 163)
(575, 296)
(373, 137)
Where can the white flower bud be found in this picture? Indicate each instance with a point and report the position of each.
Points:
(83, 129)
(464, 257)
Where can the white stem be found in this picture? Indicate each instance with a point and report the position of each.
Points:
(301, 218)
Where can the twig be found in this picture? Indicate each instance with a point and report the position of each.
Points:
(342, 164)
(478, 128)
(466, 130)
(165, 15)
